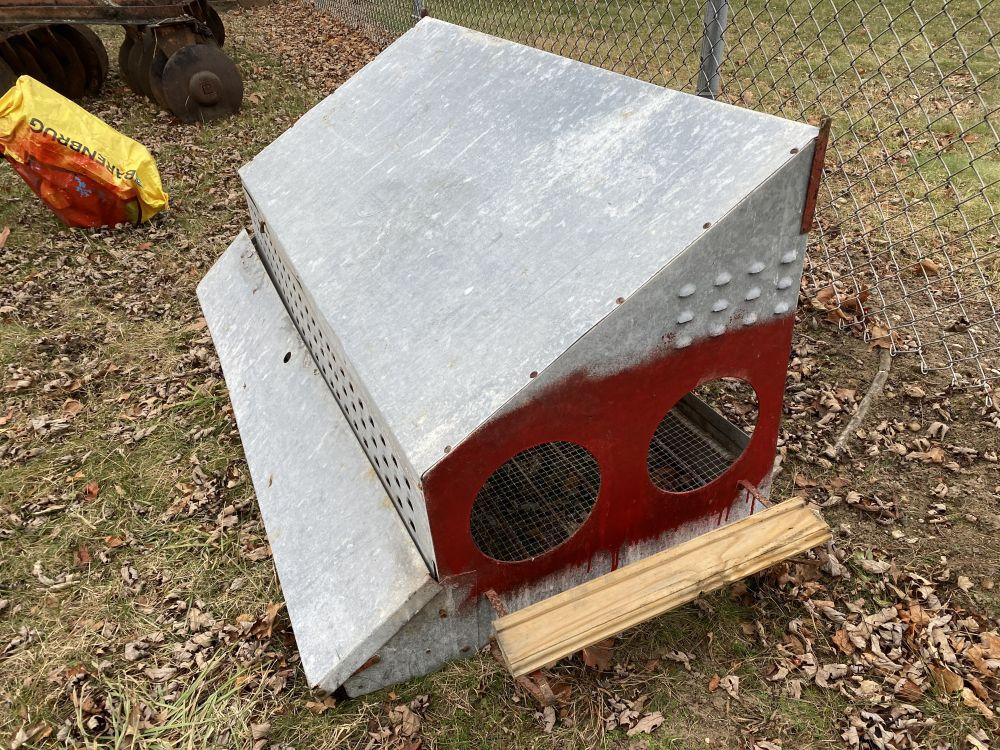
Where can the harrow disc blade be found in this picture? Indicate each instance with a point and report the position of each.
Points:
(28, 65)
(134, 67)
(74, 74)
(100, 51)
(55, 77)
(9, 59)
(7, 76)
(123, 52)
(146, 60)
(90, 49)
(215, 25)
(156, 77)
(200, 83)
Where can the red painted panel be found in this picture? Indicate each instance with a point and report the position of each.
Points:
(614, 417)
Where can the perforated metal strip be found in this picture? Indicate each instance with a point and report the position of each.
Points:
(392, 468)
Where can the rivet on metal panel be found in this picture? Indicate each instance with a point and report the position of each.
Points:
(706, 225)
(619, 300)
(784, 282)
(756, 267)
(749, 319)
(753, 293)
(687, 290)
(789, 257)
(686, 316)
(794, 151)
(533, 374)
(781, 308)
(288, 356)
(717, 329)
(683, 341)
(447, 449)
(723, 278)
(720, 305)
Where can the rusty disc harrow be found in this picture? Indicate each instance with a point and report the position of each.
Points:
(171, 52)
(70, 59)
(179, 64)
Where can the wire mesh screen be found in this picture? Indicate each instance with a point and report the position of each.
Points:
(692, 445)
(535, 501)
(379, 20)
(906, 245)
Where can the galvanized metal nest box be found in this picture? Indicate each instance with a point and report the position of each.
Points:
(462, 334)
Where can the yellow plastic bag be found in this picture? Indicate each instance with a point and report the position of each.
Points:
(87, 172)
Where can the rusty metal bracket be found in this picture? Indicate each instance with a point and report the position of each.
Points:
(755, 494)
(498, 606)
(535, 684)
(815, 175)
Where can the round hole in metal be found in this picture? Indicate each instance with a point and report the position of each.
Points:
(535, 501)
(702, 435)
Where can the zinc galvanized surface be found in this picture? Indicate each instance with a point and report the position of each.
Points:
(742, 271)
(350, 574)
(466, 208)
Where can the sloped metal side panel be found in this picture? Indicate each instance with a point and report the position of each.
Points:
(393, 469)
(350, 574)
(465, 208)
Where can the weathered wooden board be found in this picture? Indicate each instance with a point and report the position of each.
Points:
(581, 616)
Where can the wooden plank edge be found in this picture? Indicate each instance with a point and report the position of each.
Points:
(521, 665)
(529, 663)
(644, 566)
(804, 536)
(774, 548)
(655, 560)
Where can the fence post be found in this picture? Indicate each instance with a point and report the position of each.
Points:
(712, 47)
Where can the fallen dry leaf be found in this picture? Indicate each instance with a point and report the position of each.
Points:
(160, 674)
(265, 625)
(82, 556)
(321, 706)
(548, 715)
(946, 680)
(972, 701)
(843, 642)
(600, 655)
(406, 720)
(646, 725)
(731, 684)
(72, 407)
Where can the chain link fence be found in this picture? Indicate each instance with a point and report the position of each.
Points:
(907, 248)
